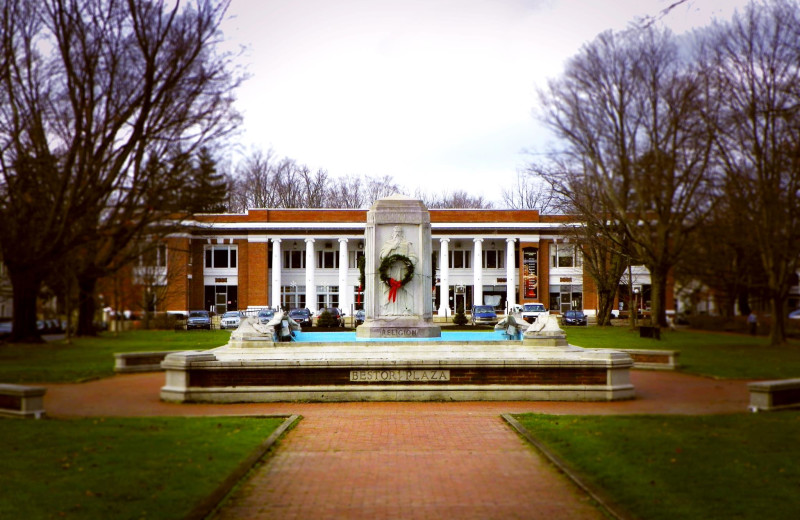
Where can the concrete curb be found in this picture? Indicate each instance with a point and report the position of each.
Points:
(595, 494)
(212, 501)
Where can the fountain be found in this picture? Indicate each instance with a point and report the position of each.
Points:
(398, 353)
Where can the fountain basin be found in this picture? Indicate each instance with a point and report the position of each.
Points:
(392, 370)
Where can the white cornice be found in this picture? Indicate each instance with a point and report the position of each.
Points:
(357, 226)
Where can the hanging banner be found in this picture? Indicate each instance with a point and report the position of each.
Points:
(530, 272)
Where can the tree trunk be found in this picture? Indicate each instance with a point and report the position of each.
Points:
(605, 303)
(86, 306)
(26, 285)
(658, 295)
(777, 331)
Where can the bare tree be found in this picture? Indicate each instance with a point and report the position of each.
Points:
(724, 258)
(348, 192)
(630, 113)
(458, 199)
(380, 187)
(154, 274)
(92, 89)
(753, 61)
(315, 186)
(530, 192)
(254, 181)
(601, 241)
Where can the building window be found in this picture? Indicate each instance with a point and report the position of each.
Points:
(221, 257)
(294, 259)
(221, 298)
(565, 255)
(327, 260)
(352, 258)
(493, 259)
(459, 259)
(154, 256)
(293, 296)
(327, 296)
(566, 297)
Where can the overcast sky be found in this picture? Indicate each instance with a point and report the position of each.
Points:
(439, 94)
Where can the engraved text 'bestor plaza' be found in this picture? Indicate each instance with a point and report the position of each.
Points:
(380, 376)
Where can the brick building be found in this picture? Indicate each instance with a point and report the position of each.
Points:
(309, 258)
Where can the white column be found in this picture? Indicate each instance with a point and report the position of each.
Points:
(444, 279)
(276, 273)
(344, 288)
(311, 284)
(477, 272)
(511, 292)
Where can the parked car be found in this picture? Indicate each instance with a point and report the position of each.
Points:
(6, 328)
(48, 326)
(532, 311)
(336, 313)
(265, 316)
(361, 315)
(301, 316)
(230, 320)
(484, 315)
(574, 318)
(198, 320)
(794, 315)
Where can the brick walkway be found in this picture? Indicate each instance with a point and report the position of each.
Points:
(403, 460)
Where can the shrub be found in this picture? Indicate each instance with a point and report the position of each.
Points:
(718, 323)
(326, 319)
(460, 318)
(162, 321)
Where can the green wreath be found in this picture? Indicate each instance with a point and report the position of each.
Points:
(388, 262)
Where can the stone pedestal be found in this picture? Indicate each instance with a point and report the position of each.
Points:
(398, 227)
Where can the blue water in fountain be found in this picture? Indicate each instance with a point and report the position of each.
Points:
(451, 336)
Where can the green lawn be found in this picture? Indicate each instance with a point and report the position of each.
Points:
(153, 468)
(714, 354)
(92, 358)
(740, 466)
(722, 355)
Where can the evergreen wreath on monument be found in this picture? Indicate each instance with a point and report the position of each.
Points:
(390, 282)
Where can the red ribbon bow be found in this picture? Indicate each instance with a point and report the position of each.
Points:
(393, 286)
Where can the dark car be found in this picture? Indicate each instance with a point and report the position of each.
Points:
(574, 318)
(301, 316)
(336, 313)
(6, 328)
(265, 316)
(484, 315)
(361, 315)
(198, 320)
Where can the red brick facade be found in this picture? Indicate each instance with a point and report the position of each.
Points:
(253, 236)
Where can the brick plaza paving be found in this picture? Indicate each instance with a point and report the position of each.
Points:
(403, 460)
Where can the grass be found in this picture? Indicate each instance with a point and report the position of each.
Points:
(673, 467)
(720, 355)
(150, 468)
(92, 358)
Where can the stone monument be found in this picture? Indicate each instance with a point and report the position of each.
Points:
(398, 271)
(398, 354)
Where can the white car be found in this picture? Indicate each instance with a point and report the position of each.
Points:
(230, 320)
(532, 311)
